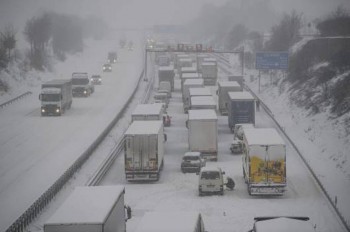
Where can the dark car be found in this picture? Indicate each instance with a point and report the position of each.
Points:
(96, 79)
(192, 162)
(107, 68)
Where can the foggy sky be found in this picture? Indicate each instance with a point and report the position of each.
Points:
(140, 13)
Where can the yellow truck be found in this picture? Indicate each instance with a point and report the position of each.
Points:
(264, 161)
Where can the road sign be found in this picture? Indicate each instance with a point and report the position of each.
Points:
(271, 60)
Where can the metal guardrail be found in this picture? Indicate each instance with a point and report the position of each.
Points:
(29, 215)
(15, 99)
(324, 190)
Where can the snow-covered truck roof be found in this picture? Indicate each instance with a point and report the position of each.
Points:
(240, 96)
(228, 84)
(188, 70)
(87, 205)
(148, 109)
(198, 81)
(208, 64)
(166, 68)
(202, 101)
(200, 91)
(55, 82)
(51, 90)
(283, 224)
(263, 136)
(144, 127)
(168, 221)
(190, 75)
(202, 114)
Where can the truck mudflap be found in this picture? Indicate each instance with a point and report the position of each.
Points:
(143, 175)
(267, 190)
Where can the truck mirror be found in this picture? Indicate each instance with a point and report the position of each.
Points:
(187, 124)
(223, 173)
(165, 137)
(39, 96)
(217, 92)
(61, 97)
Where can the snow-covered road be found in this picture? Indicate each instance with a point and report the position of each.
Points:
(236, 209)
(35, 150)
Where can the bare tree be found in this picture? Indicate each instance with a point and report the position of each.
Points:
(8, 40)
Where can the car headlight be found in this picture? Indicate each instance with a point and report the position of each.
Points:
(43, 110)
(100, 79)
(57, 110)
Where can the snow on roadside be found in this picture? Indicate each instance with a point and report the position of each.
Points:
(323, 141)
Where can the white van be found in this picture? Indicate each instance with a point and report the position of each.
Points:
(211, 181)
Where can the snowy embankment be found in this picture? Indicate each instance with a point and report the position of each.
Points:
(322, 139)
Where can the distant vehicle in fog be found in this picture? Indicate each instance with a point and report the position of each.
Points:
(107, 68)
(82, 87)
(96, 79)
(112, 57)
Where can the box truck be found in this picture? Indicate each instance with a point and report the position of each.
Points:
(165, 87)
(55, 97)
(202, 102)
(166, 73)
(264, 161)
(188, 84)
(223, 88)
(146, 112)
(209, 73)
(91, 209)
(199, 123)
(179, 221)
(184, 70)
(187, 76)
(144, 150)
(241, 108)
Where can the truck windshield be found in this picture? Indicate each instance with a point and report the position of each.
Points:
(188, 158)
(80, 81)
(50, 97)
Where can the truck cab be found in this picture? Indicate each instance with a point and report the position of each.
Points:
(112, 57)
(82, 87)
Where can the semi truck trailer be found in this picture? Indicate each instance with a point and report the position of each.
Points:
(223, 99)
(166, 73)
(203, 122)
(264, 161)
(241, 108)
(91, 209)
(56, 97)
(144, 150)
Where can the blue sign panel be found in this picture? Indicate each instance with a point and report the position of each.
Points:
(271, 60)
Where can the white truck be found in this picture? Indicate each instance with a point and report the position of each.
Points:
(199, 123)
(179, 221)
(241, 108)
(165, 86)
(55, 97)
(209, 73)
(264, 161)
(82, 86)
(187, 76)
(91, 209)
(190, 83)
(146, 112)
(144, 150)
(202, 102)
(166, 73)
(223, 99)
(200, 60)
(192, 69)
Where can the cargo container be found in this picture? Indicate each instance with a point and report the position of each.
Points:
(144, 150)
(203, 122)
(209, 73)
(145, 112)
(187, 76)
(178, 221)
(166, 73)
(190, 83)
(202, 102)
(91, 209)
(241, 108)
(223, 99)
(264, 161)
